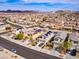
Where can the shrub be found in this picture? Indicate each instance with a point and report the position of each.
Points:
(20, 35)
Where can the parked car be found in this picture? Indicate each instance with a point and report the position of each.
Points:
(13, 50)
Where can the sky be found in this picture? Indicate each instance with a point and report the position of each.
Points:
(39, 5)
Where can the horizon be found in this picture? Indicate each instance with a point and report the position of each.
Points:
(39, 5)
(9, 10)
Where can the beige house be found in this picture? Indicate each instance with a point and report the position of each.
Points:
(74, 38)
(59, 38)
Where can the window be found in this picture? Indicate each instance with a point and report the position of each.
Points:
(40, 44)
(56, 39)
(60, 40)
(75, 42)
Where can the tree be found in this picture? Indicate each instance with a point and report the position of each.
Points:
(44, 18)
(33, 42)
(8, 28)
(20, 35)
(65, 45)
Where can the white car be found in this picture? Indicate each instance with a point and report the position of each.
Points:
(13, 50)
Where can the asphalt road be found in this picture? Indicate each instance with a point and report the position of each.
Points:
(24, 51)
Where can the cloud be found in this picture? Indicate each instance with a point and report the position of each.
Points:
(41, 5)
(51, 1)
(40, 1)
(29, 1)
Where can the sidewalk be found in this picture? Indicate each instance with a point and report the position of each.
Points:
(67, 56)
(53, 53)
(28, 46)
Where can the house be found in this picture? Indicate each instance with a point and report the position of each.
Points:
(46, 35)
(42, 40)
(59, 38)
(74, 38)
(37, 34)
(1, 23)
(76, 28)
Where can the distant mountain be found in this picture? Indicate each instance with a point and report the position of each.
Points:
(32, 11)
(19, 11)
(76, 12)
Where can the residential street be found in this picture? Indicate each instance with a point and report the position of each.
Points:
(24, 51)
